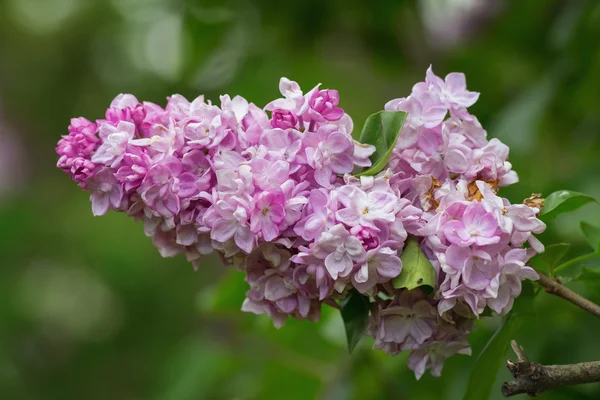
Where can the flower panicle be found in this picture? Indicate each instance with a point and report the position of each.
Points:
(272, 188)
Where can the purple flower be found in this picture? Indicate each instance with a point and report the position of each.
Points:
(477, 226)
(268, 174)
(476, 266)
(409, 319)
(453, 89)
(196, 174)
(160, 187)
(81, 140)
(125, 107)
(207, 130)
(293, 99)
(267, 215)
(133, 169)
(517, 217)
(283, 119)
(380, 265)
(231, 222)
(329, 152)
(282, 145)
(114, 143)
(340, 250)
(320, 217)
(323, 105)
(80, 169)
(363, 208)
(106, 191)
(513, 272)
(361, 154)
(446, 342)
(76, 148)
(369, 237)
(273, 287)
(310, 275)
(424, 110)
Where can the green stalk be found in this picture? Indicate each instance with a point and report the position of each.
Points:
(576, 260)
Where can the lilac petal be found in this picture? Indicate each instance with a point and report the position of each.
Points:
(348, 216)
(303, 305)
(364, 287)
(363, 273)
(487, 225)
(474, 278)
(417, 362)
(354, 247)
(186, 235)
(338, 142)
(313, 226)
(342, 163)
(336, 267)
(244, 239)
(397, 329)
(276, 213)
(456, 257)
(421, 330)
(287, 305)
(187, 185)
(270, 230)
(456, 232)
(456, 82)
(456, 161)
(389, 267)
(100, 203)
(223, 230)
(275, 289)
(323, 176)
(335, 114)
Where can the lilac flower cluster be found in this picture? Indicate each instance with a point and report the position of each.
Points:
(272, 191)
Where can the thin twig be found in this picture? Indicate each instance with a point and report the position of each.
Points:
(533, 378)
(560, 290)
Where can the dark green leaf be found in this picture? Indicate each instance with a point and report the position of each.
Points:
(381, 130)
(590, 278)
(355, 313)
(524, 304)
(487, 312)
(483, 375)
(416, 268)
(550, 258)
(592, 234)
(563, 201)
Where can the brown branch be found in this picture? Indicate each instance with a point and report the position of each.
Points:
(533, 378)
(560, 290)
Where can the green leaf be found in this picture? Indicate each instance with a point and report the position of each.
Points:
(550, 258)
(524, 306)
(483, 375)
(381, 130)
(563, 201)
(592, 234)
(416, 268)
(590, 278)
(355, 313)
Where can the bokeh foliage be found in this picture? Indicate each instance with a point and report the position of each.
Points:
(88, 309)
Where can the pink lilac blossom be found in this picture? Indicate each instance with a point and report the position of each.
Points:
(271, 190)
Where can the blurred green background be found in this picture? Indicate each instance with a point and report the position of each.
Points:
(89, 310)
